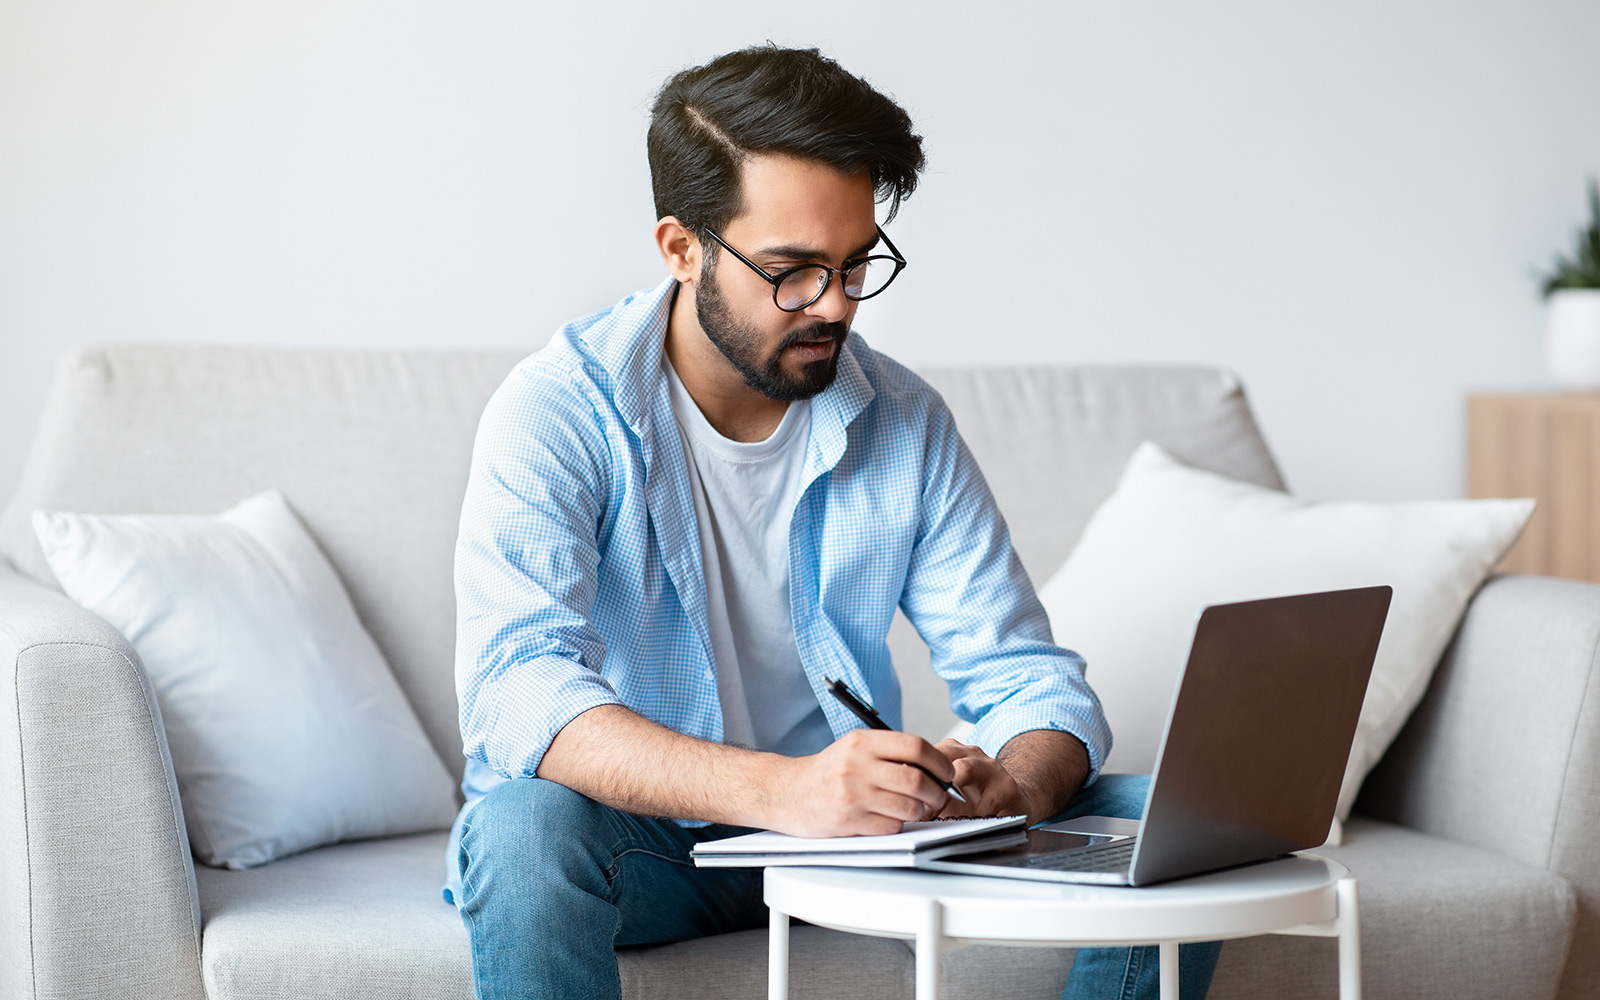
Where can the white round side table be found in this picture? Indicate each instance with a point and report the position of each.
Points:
(1296, 895)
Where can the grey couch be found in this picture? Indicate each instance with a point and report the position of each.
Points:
(1477, 841)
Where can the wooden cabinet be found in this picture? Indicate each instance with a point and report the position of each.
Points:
(1546, 447)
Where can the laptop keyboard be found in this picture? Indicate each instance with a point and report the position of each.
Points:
(1115, 856)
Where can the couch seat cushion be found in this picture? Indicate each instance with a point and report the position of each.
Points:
(362, 919)
(1438, 920)
(366, 919)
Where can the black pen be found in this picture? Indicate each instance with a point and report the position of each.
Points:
(867, 715)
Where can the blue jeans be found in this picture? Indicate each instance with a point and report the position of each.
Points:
(553, 882)
(1129, 973)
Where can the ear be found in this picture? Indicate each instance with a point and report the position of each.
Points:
(680, 249)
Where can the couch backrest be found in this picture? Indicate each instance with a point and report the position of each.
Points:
(372, 447)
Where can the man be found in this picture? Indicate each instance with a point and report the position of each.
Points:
(688, 511)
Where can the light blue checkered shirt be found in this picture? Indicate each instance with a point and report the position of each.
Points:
(579, 579)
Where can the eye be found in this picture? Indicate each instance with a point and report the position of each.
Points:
(800, 287)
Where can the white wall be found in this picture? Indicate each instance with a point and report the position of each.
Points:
(1344, 201)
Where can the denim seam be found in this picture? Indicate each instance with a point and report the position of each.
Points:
(463, 855)
(621, 849)
(1132, 972)
(613, 871)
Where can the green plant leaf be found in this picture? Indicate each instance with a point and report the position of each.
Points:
(1582, 268)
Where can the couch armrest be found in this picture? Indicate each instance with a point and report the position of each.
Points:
(1504, 752)
(97, 895)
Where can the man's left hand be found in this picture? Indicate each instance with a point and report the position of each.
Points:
(1035, 775)
(989, 788)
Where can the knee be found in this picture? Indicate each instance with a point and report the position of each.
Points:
(1122, 795)
(530, 832)
(532, 817)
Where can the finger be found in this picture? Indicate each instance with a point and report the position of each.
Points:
(974, 775)
(1003, 798)
(901, 808)
(955, 751)
(989, 788)
(866, 808)
(907, 748)
(967, 771)
(956, 809)
(942, 768)
(909, 781)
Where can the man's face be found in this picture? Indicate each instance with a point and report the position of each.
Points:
(795, 212)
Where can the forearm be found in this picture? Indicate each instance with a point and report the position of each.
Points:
(866, 782)
(1048, 766)
(615, 756)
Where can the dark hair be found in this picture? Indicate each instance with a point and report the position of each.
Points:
(766, 99)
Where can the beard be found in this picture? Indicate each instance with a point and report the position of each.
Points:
(741, 345)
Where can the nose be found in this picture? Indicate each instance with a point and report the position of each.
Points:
(832, 306)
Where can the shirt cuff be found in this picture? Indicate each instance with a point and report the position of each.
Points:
(1007, 720)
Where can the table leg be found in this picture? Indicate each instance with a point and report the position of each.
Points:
(1349, 924)
(1169, 971)
(778, 957)
(930, 934)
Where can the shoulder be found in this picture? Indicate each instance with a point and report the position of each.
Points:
(580, 369)
(561, 392)
(549, 386)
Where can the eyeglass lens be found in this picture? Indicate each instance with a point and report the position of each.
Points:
(804, 286)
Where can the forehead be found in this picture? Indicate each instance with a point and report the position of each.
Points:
(796, 202)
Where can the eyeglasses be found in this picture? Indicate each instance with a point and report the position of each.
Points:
(795, 288)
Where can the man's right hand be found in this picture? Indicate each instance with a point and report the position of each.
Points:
(863, 783)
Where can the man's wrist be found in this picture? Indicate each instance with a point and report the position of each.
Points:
(1035, 800)
(757, 786)
(1049, 767)
(619, 758)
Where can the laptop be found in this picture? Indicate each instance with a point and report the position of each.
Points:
(1252, 756)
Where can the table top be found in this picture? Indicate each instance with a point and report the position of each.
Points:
(1256, 899)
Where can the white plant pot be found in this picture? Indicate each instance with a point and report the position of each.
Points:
(1573, 342)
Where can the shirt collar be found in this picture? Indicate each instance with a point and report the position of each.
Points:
(629, 345)
(835, 407)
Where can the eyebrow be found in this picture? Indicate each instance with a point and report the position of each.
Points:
(795, 252)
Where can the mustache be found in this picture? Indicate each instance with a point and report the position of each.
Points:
(816, 331)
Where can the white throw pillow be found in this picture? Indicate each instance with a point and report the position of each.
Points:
(286, 727)
(1172, 539)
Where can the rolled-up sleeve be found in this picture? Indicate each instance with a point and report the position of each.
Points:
(973, 604)
(528, 659)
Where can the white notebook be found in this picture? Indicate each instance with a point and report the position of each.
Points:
(915, 843)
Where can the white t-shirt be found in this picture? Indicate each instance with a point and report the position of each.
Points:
(744, 498)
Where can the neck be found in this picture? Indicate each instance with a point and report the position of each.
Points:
(735, 410)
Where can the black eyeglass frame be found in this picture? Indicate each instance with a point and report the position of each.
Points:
(775, 280)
